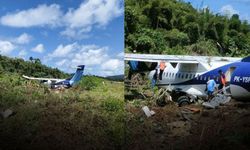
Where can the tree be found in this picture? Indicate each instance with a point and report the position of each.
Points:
(37, 61)
(31, 59)
(175, 37)
(192, 30)
(173, 26)
(131, 20)
(234, 23)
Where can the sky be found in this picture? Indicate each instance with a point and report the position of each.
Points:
(225, 7)
(65, 33)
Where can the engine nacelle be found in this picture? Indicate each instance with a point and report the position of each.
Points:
(47, 82)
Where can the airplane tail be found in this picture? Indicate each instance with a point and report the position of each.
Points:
(78, 75)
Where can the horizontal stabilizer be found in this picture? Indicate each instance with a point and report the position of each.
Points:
(81, 67)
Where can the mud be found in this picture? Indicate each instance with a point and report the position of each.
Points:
(172, 127)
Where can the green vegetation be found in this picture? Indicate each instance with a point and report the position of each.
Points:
(90, 82)
(175, 27)
(33, 67)
(87, 116)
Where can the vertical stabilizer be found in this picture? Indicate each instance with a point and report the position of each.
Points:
(78, 75)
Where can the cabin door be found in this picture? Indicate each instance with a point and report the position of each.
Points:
(229, 73)
(228, 76)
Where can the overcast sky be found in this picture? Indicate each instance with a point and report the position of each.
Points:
(65, 33)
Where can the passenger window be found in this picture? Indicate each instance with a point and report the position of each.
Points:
(186, 76)
(166, 74)
(179, 75)
(190, 76)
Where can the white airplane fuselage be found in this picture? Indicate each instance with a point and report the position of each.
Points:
(192, 78)
(61, 83)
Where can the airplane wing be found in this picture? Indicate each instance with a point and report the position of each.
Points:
(157, 58)
(43, 79)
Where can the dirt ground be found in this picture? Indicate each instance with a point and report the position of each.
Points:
(57, 127)
(173, 127)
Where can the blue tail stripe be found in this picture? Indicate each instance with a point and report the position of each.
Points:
(78, 75)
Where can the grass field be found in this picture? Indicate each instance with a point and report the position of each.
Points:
(88, 116)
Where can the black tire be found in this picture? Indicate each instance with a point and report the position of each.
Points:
(161, 102)
(183, 100)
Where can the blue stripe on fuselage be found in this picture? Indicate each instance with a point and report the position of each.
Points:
(242, 70)
(241, 76)
(64, 82)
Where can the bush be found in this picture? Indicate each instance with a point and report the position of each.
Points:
(113, 105)
(145, 43)
(88, 83)
(203, 48)
(175, 37)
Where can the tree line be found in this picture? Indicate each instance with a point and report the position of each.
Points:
(175, 27)
(33, 67)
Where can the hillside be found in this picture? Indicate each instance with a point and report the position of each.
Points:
(175, 27)
(87, 116)
(116, 78)
(33, 67)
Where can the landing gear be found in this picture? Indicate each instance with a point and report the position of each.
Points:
(161, 102)
(162, 97)
(183, 100)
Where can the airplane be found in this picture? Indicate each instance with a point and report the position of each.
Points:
(61, 83)
(186, 76)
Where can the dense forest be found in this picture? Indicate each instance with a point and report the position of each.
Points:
(33, 67)
(176, 27)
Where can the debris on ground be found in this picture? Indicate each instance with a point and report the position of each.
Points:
(190, 127)
(148, 112)
(192, 109)
(217, 101)
(7, 113)
(186, 117)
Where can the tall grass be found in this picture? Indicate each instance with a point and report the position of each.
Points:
(92, 111)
